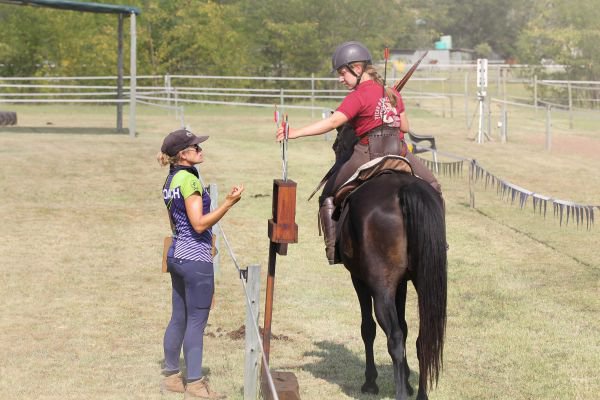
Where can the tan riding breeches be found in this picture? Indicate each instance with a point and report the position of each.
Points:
(358, 158)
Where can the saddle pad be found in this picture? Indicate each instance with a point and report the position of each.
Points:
(370, 170)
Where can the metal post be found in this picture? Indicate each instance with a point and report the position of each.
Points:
(548, 128)
(482, 83)
(281, 98)
(535, 92)
(252, 347)
(504, 122)
(176, 99)
(467, 99)
(312, 95)
(480, 127)
(498, 79)
(489, 114)
(120, 74)
(504, 76)
(132, 77)
(444, 94)
(168, 88)
(570, 105)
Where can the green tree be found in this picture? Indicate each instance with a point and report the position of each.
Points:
(40, 41)
(472, 23)
(567, 34)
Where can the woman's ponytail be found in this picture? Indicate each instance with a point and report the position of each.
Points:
(164, 159)
(370, 69)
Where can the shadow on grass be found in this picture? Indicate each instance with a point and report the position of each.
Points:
(61, 130)
(339, 366)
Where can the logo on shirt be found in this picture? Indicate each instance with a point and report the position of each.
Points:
(171, 193)
(387, 113)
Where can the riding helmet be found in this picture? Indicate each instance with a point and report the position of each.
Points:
(349, 52)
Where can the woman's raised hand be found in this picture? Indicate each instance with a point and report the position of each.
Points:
(235, 194)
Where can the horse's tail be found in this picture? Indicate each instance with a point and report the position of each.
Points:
(423, 214)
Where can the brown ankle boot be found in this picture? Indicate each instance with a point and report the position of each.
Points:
(328, 226)
(199, 390)
(172, 383)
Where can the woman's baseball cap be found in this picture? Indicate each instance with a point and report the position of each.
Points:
(179, 140)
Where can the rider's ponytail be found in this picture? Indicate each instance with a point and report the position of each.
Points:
(370, 69)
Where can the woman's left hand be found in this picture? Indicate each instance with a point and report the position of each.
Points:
(235, 194)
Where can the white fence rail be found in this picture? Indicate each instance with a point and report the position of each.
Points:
(447, 92)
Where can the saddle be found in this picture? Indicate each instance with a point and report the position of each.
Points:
(369, 170)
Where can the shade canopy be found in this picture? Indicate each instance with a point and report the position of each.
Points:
(122, 11)
(77, 6)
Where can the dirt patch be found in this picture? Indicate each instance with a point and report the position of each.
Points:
(240, 333)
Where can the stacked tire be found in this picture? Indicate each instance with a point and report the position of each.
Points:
(8, 118)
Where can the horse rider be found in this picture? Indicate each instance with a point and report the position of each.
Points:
(377, 115)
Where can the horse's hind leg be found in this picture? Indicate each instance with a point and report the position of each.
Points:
(386, 313)
(400, 308)
(368, 331)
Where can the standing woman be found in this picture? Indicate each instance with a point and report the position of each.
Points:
(189, 261)
(378, 118)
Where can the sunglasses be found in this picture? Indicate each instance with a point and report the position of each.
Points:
(194, 147)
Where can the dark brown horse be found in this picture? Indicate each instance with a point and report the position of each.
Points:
(395, 232)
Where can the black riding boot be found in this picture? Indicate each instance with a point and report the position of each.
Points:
(328, 226)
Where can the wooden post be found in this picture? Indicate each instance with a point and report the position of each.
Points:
(252, 348)
(282, 229)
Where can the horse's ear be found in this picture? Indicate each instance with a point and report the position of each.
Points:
(344, 142)
(341, 128)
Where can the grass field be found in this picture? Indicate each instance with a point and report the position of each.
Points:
(83, 305)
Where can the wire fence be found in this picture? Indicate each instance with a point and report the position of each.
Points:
(253, 317)
(564, 210)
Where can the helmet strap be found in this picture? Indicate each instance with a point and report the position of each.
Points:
(358, 77)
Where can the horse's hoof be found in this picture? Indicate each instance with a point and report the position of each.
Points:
(370, 388)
